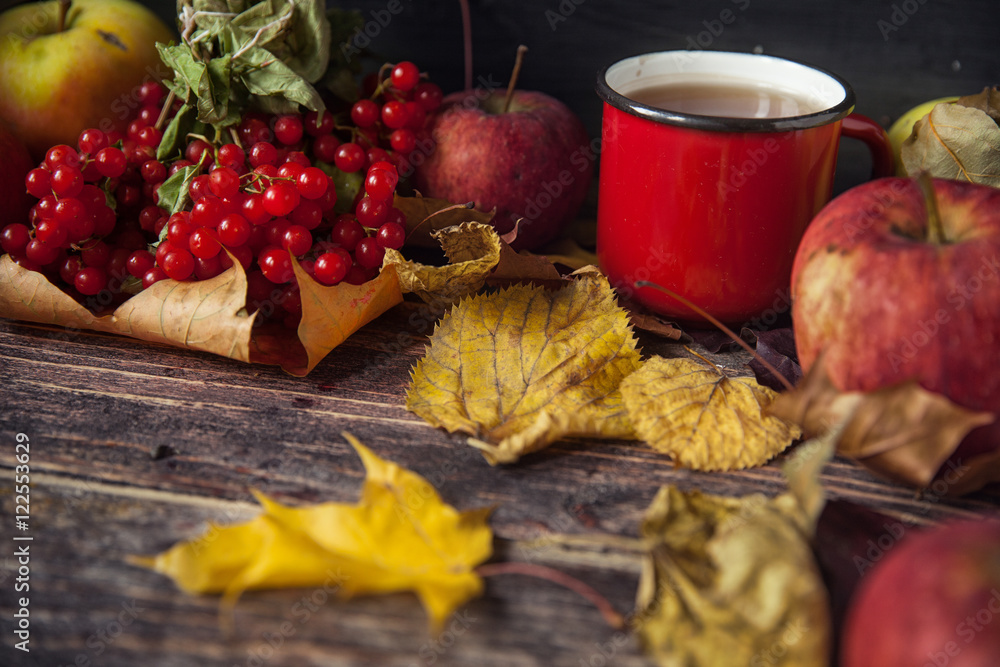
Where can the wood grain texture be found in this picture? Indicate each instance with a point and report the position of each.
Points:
(137, 446)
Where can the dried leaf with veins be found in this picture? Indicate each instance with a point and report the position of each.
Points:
(384, 543)
(526, 366)
(30, 297)
(523, 267)
(987, 101)
(209, 315)
(704, 419)
(330, 314)
(957, 142)
(903, 432)
(472, 249)
(729, 581)
(426, 215)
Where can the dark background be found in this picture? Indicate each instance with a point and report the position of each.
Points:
(922, 49)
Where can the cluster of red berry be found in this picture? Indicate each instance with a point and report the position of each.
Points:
(262, 199)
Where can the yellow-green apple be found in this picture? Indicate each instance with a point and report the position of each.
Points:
(66, 66)
(532, 161)
(932, 600)
(15, 163)
(899, 279)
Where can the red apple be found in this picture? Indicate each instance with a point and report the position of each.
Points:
(65, 70)
(891, 290)
(15, 164)
(933, 600)
(533, 161)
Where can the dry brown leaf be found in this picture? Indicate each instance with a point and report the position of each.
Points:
(732, 581)
(973, 473)
(30, 297)
(987, 100)
(426, 215)
(526, 366)
(209, 315)
(472, 248)
(903, 432)
(523, 267)
(569, 253)
(205, 315)
(957, 142)
(704, 419)
(651, 323)
(331, 314)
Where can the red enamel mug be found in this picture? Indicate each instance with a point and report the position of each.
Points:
(713, 206)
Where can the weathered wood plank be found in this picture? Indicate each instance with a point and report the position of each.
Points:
(88, 604)
(102, 410)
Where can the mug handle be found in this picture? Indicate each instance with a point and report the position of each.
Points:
(864, 128)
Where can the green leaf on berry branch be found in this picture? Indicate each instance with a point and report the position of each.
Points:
(174, 191)
(236, 56)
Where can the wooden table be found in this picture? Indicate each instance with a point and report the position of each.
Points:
(136, 446)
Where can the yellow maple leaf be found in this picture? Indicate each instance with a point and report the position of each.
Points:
(526, 366)
(702, 418)
(400, 536)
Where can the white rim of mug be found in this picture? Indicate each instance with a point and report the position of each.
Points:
(831, 113)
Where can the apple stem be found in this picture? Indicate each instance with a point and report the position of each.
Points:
(935, 231)
(611, 616)
(722, 327)
(467, 41)
(63, 11)
(518, 59)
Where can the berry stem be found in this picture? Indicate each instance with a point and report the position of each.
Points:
(64, 6)
(518, 60)
(722, 327)
(935, 231)
(162, 118)
(612, 617)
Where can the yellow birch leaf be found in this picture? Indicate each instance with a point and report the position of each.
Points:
(472, 249)
(702, 418)
(400, 536)
(523, 367)
(733, 581)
